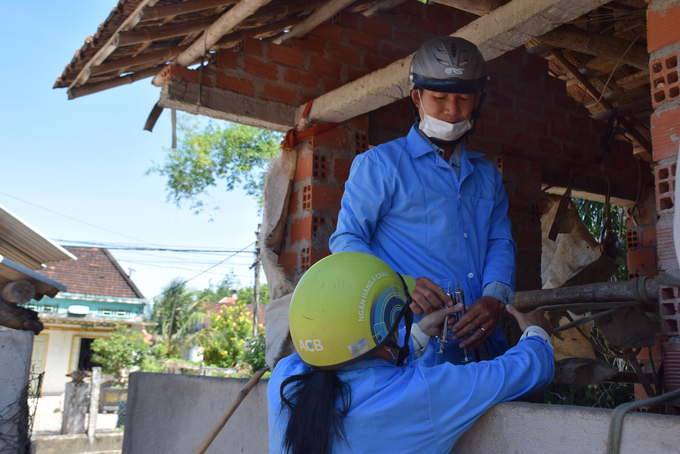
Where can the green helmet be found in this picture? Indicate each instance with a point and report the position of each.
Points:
(346, 307)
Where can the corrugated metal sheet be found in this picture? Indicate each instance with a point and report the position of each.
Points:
(23, 244)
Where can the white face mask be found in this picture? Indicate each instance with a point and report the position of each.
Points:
(443, 130)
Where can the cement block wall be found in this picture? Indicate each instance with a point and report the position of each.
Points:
(173, 413)
(169, 413)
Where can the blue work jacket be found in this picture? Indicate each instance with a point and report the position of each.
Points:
(404, 204)
(416, 408)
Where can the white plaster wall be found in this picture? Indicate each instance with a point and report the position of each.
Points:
(57, 364)
(173, 413)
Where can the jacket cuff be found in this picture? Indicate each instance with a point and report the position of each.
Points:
(502, 292)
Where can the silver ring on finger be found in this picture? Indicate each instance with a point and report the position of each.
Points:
(482, 328)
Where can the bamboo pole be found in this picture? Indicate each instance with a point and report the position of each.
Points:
(605, 292)
(639, 138)
(117, 82)
(230, 411)
(170, 31)
(310, 23)
(162, 12)
(165, 55)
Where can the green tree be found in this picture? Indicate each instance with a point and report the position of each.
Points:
(124, 350)
(223, 289)
(247, 295)
(593, 216)
(179, 317)
(214, 152)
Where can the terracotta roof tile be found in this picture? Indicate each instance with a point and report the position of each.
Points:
(95, 272)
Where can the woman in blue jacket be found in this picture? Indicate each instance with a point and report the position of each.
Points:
(346, 389)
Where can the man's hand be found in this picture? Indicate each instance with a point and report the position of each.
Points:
(428, 296)
(532, 318)
(481, 319)
(431, 324)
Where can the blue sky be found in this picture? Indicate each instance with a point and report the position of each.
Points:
(86, 158)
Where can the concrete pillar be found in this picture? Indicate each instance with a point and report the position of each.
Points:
(663, 43)
(76, 400)
(15, 356)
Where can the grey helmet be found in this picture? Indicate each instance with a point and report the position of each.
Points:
(448, 65)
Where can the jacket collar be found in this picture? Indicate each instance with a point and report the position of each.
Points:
(418, 145)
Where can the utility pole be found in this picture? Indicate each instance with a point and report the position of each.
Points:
(256, 288)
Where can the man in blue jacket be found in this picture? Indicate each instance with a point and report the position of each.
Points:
(430, 207)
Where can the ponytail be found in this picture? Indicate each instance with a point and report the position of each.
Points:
(313, 419)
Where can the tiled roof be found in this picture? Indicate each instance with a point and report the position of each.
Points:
(95, 272)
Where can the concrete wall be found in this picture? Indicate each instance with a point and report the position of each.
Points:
(74, 444)
(173, 413)
(15, 358)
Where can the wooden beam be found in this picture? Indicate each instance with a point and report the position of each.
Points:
(628, 109)
(382, 6)
(117, 82)
(314, 20)
(18, 292)
(502, 30)
(162, 12)
(225, 24)
(111, 44)
(165, 55)
(634, 80)
(18, 317)
(478, 7)
(573, 38)
(170, 31)
(639, 138)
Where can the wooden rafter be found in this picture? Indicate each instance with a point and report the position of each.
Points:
(110, 45)
(169, 31)
(478, 7)
(151, 57)
(310, 23)
(639, 138)
(162, 12)
(573, 38)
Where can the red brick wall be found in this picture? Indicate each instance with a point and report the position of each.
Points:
(329, 56)
(663, 43)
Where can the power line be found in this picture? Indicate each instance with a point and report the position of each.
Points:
(205, 271)
(72, 218)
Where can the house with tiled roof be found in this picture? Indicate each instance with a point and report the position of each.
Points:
(99, 295)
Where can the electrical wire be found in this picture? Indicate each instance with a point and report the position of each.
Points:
(72, 218)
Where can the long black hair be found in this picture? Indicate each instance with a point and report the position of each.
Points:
(317, 403)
